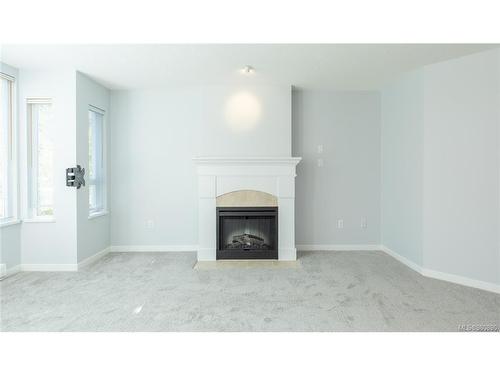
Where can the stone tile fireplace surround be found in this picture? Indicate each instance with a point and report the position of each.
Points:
(246, 178)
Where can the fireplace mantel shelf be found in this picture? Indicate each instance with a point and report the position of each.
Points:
(220, 160)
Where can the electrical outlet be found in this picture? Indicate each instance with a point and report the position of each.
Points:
(340, 223)
(150, 224)
(320, 149)
(364, 223)
(320, 163)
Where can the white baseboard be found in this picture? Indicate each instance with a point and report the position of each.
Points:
(473, 283)
(6, 272)
(338, 247)
(407, 262)
(54, 267)
(151, 248)
(456, 279)
(93, 258)
(491, 287)
(49, 267)
(9, 271)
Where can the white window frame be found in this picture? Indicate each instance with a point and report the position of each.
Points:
(32, 163)
(100, 170)
(12, 159)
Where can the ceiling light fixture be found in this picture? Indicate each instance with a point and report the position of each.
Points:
(247, 69)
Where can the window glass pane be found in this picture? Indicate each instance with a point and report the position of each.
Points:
(96, 163)
(41, 159)
(45, 149)
(92, 124)
(92, 197)
(5, 147)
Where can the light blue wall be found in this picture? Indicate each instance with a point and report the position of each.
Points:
(10, 245)
(441, 167)
(402, 153)
(92, 235)
(461, 166)
(51, 242)
(347, 186)
(154, 136)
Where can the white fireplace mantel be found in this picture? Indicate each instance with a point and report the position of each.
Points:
(221, 175)
(218, 160)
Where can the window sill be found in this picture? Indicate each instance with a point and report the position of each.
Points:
(40, 220)
(9, 223)
(97, 214)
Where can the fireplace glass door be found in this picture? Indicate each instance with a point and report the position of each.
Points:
(247, 233)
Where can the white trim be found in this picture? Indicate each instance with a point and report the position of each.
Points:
(9, 222)
(407, 262)
(473, 283)
(39, 100)
(456, 279)
(93, 258)
(13, 270)
(338, 247)
(7, 77)
(95, 109)
(49, 267)
(97, 214)
(152, 248)
(13, 196)
(40, 219)
(52, 267)
(218, 160)
(6, 272)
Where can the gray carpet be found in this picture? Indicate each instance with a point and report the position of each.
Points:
(331, 291)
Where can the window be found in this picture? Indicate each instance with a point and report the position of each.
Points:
(8, 197)
(96, 180)
(40, 159)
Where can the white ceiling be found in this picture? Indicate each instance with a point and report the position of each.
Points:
(325, 66)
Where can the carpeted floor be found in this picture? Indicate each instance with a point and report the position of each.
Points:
(330, 291)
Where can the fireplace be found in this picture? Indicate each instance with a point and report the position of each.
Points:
(247, 232)
(239, 186)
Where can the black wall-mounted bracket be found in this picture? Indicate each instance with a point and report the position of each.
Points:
(75, 176)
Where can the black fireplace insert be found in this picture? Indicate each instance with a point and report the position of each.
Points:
(247, 232)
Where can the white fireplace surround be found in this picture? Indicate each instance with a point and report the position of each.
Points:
(221, 175)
